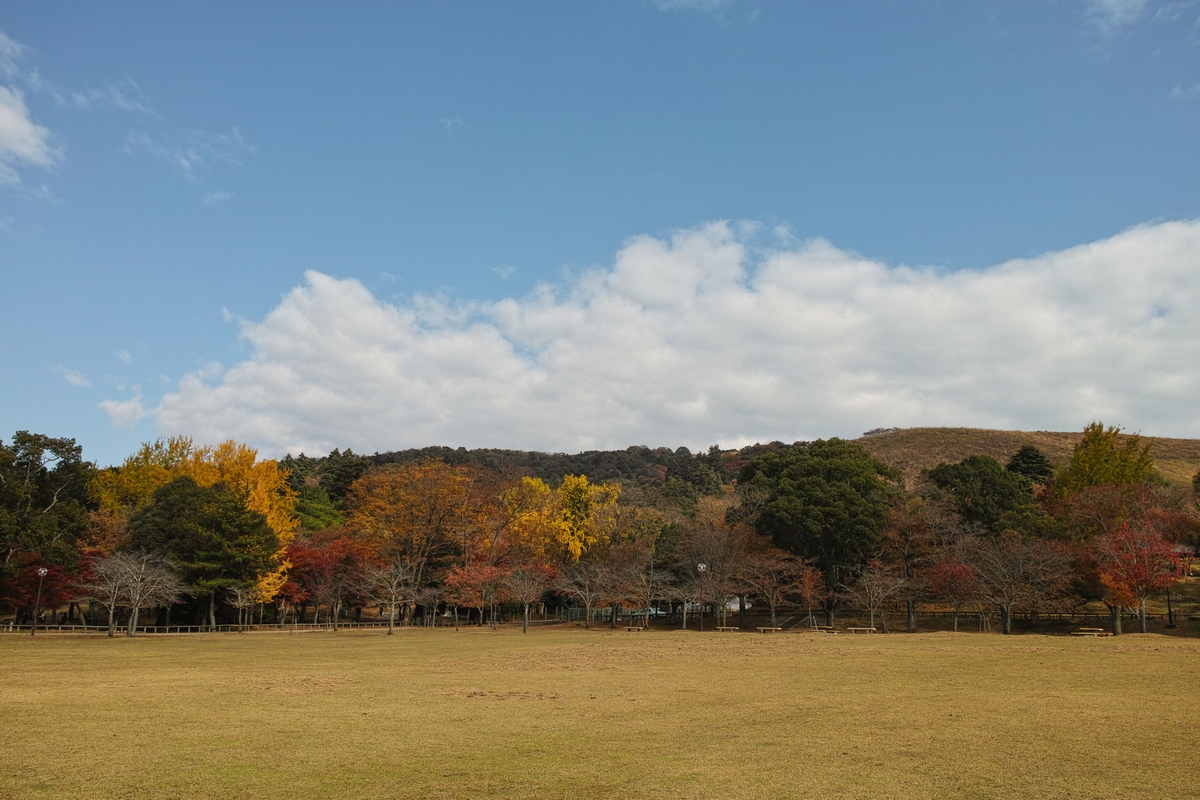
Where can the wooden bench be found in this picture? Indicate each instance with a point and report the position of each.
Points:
(724, 628)
(821, 628)
(861, 630)
(769, 630)
(633, 627)
(1090, 632)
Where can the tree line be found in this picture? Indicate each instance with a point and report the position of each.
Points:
(210, 534)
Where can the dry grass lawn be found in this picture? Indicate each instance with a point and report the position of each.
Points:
(566, 713)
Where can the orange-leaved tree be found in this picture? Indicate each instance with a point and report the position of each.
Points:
(420, 515)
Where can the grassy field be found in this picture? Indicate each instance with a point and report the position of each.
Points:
(565, 713)
(913, 450)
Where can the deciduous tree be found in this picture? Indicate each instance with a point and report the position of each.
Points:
(1137, 562)
(955, 583)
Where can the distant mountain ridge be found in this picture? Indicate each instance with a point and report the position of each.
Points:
(913, 450)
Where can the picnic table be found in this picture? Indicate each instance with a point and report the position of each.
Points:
(769, 630)
(861, 630)
(724, 628)
(1090, 632)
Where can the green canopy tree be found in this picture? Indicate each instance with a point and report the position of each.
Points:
(1032, 463)
(43, 509)
(983, 491)
(826, 501)
(209, 533)
(1101, 459)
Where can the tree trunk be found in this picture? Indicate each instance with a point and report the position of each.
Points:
(525, 621)
(742, 613)
(772, 613)
(1170, 611)
(685, 616)
(1006, 619)
(956, 619)
(871, 613)
(212, 611)
(391, 618)
(912, 615)
(456, 618)
(112, 619)
(587, 621)
(1115, 613)
(612, 620)
(1142, 613)
(133, 617)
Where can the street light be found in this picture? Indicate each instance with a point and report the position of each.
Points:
(702, 568)
(42, 571)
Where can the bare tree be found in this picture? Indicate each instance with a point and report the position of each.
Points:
(388, 585)
(1013, 571)
(430, 597)
(149, 582)
(689, 591)
(526, 585)
(771, 577)
(583, 581)
(241, 597)
(649, 583)
(811, 585)
(104, 582)
(874, 586)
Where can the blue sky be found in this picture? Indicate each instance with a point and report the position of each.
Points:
(170, 173)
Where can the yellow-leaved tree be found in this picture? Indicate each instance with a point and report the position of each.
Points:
(586, 513)
(262, 486)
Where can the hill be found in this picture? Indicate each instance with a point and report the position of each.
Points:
(913, 450)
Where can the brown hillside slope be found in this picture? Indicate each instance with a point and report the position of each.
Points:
(913, 450)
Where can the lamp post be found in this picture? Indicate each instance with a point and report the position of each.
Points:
(38, 603)
(702, 568)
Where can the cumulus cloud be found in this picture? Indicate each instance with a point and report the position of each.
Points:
(1185, 92)
(216, 198)
(125, 414)
(22, 141)
(705, 336)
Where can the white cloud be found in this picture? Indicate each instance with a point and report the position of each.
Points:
(124, 356)
(1110, 16)
(505, 272)
(192, 151)
(73, 377)
(216, 198)
(10, 53)
(125, 414)
(1185, 92)
(700, 338)
(21, 139)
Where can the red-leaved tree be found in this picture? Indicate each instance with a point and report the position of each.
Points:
(1137, 562)
(955, 583)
